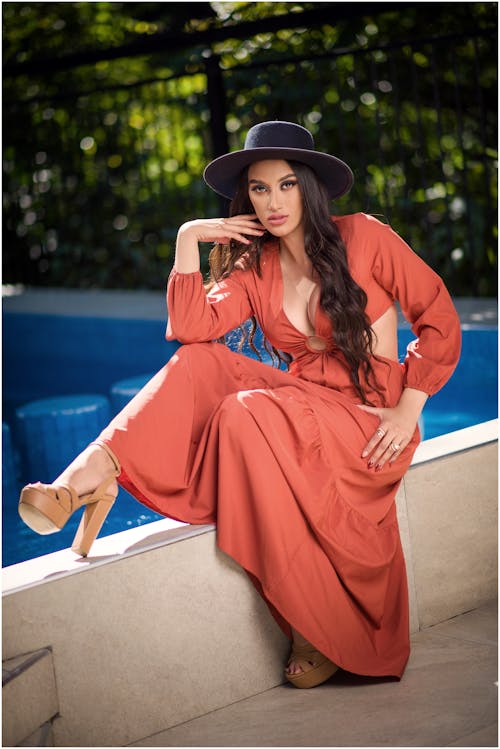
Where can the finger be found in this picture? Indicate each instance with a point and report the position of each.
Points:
(374, 441)
(381, 448)
(395, 453)
(238, 236)
(391, 453)
(246, 226)
(226, 232)
(246, 217)
(243, 228)
(252, 230)
(369, 409)
(232, 235)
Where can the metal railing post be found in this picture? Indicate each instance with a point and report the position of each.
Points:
(217, 104)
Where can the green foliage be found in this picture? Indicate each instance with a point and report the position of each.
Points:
(103, 161)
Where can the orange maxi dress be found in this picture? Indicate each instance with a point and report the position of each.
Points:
(274, 457)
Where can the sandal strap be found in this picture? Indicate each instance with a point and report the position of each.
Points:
(62, 495)
(303, 650)
(98, 495)
(66, 497)
(111, 454)
(304, 654)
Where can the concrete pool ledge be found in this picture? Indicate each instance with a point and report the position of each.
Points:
(167, 531)
(473, 311)
(131, 628)
(447, 511)
(104, 551)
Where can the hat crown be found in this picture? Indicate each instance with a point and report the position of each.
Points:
(277, 139)
(277, 134)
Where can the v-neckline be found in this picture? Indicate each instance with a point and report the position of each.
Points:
(282, 296)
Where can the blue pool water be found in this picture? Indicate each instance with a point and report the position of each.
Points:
(470, 397)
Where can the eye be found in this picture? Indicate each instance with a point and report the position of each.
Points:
(258, 188)
(288, 184)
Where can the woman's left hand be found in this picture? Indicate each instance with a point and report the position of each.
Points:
(392, 435)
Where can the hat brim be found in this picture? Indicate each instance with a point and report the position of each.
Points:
(222, 174)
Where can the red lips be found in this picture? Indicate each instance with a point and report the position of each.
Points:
(277, 218)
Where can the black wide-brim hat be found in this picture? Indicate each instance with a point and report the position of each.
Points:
(278, 140)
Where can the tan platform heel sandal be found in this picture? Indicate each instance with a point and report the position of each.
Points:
(45, 508)
(316, 667)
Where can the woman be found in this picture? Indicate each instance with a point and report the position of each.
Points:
(298, 468)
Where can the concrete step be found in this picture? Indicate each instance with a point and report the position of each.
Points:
(161, 633)
(29, 699)
(43, 736)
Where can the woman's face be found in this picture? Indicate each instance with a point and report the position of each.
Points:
(275, 195)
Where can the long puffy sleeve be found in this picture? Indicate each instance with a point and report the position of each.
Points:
(195, 316)
(425, 302)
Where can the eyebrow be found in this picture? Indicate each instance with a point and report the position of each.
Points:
(264, 183)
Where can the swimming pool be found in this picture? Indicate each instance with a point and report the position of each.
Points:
(470, 397)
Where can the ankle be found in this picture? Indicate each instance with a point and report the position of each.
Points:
(113, 461)
(88, 470)
(298, 638)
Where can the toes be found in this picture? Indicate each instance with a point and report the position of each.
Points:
(293, 669)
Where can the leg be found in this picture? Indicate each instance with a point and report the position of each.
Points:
(89, 469)
(328, 572)
(164, 437)
(255, 500)
(164, 422)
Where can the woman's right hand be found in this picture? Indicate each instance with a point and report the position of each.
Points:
(187, 254)
(222, 230)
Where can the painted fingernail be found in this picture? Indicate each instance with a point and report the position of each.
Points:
(378, 467)
(370, 463)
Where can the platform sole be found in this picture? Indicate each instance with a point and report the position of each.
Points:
(314, 676)
(36, 520)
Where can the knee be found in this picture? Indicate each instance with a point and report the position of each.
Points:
(192, 355)
(234, 410)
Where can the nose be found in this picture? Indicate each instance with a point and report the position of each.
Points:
(274, 201)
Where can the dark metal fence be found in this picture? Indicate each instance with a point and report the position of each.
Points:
(96, 190)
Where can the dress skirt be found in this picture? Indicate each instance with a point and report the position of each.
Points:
(275, 462)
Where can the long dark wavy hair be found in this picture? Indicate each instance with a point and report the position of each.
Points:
(340, 296)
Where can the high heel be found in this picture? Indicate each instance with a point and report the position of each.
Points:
(45, 508)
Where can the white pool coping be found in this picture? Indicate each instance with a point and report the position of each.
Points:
(104, 550)
(107, 303)
(109, 549)
(474, 312)
(453, 442)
